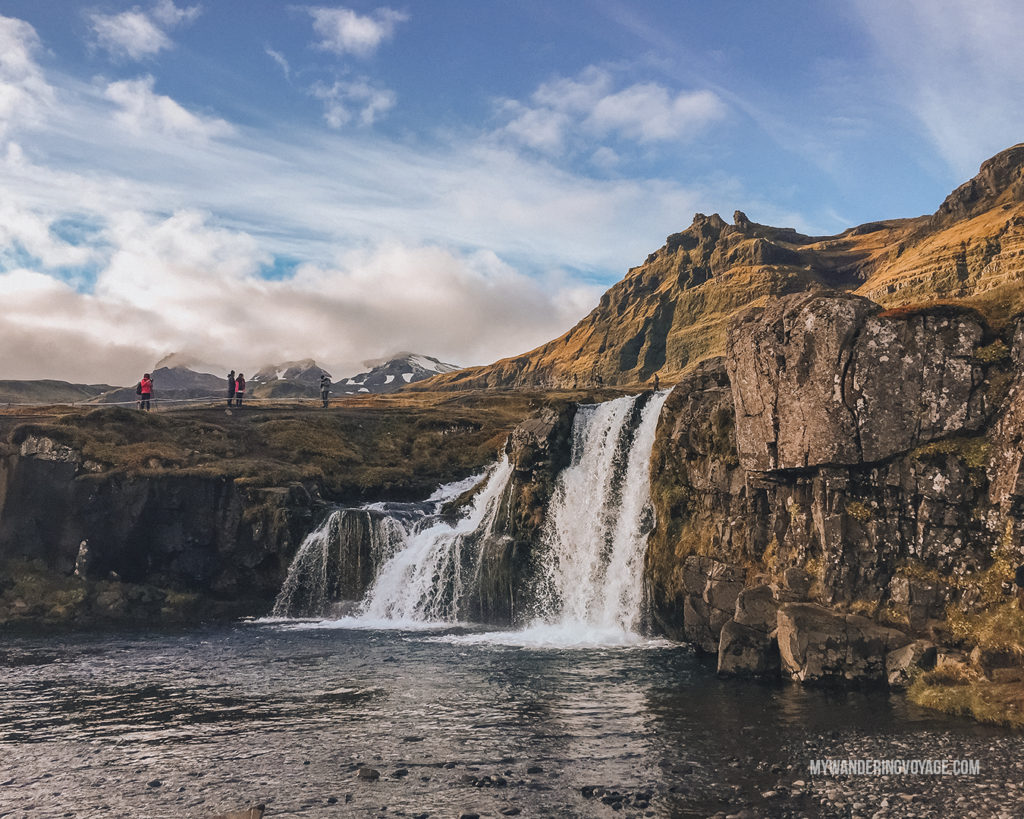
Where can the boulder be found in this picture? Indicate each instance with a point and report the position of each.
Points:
(786, 364)
(757, 608)
(747, 651)
(797, 581)
(912, 379)
(820, 646)
(697, 624)
(914, 598)
(901, 663)
(711, 591)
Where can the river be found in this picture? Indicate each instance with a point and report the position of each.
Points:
(456, 721)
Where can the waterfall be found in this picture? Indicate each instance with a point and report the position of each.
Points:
(595, 535)
(429, 580)
(336, 561)
(426, 568)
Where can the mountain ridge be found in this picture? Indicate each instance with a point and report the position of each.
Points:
(669, 313)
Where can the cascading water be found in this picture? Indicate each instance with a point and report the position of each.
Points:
(590, 583)
(336, 561)
(429, 579)
(339, 560)
(588, 566)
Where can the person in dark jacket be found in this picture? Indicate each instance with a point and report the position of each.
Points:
(239, 389)
(145, 390)
(231, 386)
(1019, 580)
(325, 388)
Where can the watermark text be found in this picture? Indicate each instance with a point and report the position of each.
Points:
(895, 767)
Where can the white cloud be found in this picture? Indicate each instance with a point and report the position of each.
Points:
(145, 111)
(170, 15)
(650, 113)
(181, 285)
(957, 67)
(136, 34)
(542, 129)
(343, 31)
(33, 233)
(281, 60)
(588, 105)
(24, 92)
(129, 34)
(354, 99)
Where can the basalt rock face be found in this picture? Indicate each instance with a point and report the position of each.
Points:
(538, 450)
(879, 451)
(181, 532)
(828, 379)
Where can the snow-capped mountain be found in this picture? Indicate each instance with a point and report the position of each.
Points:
(389, 375)
(290, 379)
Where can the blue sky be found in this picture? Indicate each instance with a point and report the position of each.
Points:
(248, 182)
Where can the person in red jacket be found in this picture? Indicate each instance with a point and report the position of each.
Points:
(239, 389)
(145, 391)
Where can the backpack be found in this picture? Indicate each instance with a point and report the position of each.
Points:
(138, 388)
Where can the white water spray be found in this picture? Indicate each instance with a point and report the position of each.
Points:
(336, 559)
(591, 586)
(430, 578)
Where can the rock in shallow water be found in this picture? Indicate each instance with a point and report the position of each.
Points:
(817, 645)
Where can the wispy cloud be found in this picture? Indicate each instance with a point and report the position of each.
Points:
(344, 31)
(24, 92)
(170, 15)
(591, 105)
(281, 60)
(358, 100)
(957, 66)
(136, 34)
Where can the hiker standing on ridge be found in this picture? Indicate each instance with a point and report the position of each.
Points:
(325, 388)
(145, 391)
(231, 386)
(239, 390)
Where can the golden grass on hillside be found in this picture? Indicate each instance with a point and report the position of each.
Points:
(399, 445)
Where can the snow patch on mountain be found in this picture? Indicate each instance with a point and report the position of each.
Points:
(388, 375)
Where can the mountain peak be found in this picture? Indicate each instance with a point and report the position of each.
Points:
(391, 374)
(999, 180)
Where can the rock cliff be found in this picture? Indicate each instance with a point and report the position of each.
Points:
(841, 455)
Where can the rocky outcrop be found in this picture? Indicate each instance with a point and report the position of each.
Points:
(822, 647)
(538, 449)
(828, 379)
(1000, 180)
(178, 531)
(851, 460)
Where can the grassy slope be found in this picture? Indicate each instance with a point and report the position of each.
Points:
(48, 392)
(388, 446)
